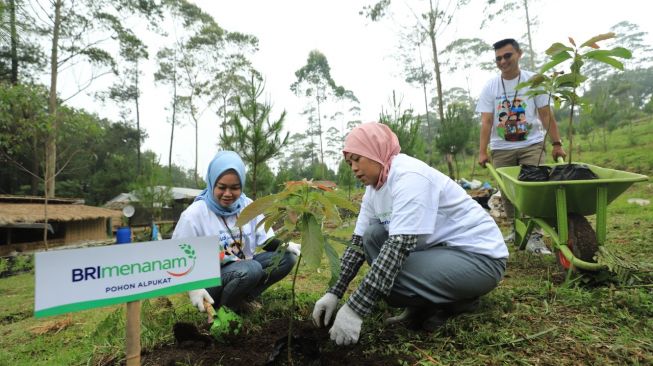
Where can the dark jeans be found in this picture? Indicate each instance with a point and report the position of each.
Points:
(249, 278)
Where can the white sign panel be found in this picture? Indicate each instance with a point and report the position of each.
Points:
(79, 279)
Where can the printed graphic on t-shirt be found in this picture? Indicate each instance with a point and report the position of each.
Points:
(230, 250)
(512, 124)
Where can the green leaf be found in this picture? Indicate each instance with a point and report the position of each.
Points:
(258, 207)
(534, 81)
(270, 220)
(556, 48)
(610, 61)
(312, 241)
(600, 37)
(557, 59)
(289, 225)
(330, 211)
(334, 262)
(616, 52)
(342, 202)
(621, 52)
(570, 79)
(568, 95)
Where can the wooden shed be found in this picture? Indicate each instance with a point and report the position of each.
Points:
(22, 222)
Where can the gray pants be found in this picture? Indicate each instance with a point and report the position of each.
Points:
(249, 278)
(438, 275)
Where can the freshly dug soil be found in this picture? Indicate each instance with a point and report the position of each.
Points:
(265, 346)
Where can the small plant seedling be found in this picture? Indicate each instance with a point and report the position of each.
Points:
(300, 212)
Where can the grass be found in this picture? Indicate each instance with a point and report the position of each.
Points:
(532, 318)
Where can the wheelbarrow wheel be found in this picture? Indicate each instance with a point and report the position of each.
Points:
(582, 242)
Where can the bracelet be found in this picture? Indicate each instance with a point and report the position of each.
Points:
(556, 143)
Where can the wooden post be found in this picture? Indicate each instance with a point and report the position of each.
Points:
(133, 343)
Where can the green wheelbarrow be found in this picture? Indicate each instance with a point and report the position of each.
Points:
(560, 207)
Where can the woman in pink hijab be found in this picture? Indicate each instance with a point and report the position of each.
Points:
(431, 248)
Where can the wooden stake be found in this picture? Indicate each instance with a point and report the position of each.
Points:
(133, 344)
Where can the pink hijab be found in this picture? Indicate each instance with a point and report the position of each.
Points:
(374, 141)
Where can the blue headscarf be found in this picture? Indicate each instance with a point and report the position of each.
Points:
(223, 161)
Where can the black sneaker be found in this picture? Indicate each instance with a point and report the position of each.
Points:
(435, 321)
(462, 306)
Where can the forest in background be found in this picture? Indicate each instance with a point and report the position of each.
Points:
(47, 146)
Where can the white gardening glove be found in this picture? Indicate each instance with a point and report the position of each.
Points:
(197, 298)
(326, 305)
(347, 327)
(294, 248)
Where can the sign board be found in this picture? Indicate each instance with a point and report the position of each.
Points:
(80, 279)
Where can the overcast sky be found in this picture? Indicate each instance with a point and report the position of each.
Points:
(360, 53)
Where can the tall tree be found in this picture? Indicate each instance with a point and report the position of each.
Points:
(416, 72)
(205, 56)
(432, 22)
(314, 81)
(21, 55)
(168, 73)
(454, 134)
(80, 31)
(127, 89)
(23, 126)
(630, 36)
(202, 51)
(505, 9)
(407, 128)
(465, 54)
(255, 137)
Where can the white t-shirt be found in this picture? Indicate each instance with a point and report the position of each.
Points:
(515, 121)
(197, 220)
(419, 200)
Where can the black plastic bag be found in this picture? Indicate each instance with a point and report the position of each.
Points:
(572, 172)
(534, 173)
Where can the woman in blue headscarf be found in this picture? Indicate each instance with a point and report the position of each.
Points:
(244, 273)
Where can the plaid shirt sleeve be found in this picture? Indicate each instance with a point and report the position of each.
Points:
(381, 277)
(351, 261)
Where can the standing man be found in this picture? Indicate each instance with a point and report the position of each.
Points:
(510, 146)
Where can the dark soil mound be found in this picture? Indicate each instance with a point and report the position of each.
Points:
(265, 346)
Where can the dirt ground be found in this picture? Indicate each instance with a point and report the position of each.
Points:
(265, 346)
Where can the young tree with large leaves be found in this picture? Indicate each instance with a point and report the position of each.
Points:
(255, 137)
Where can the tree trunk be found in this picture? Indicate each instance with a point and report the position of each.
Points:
(34, 177)
(192, 110)
(254, 171)
(449, 158)
(138, 124)
(530, 40)
(319, 131)
(434, 47)
(429, 128)
(51, 141)
(14, 41)
(174, 116)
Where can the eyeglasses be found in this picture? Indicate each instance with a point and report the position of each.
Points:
(506, 56)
